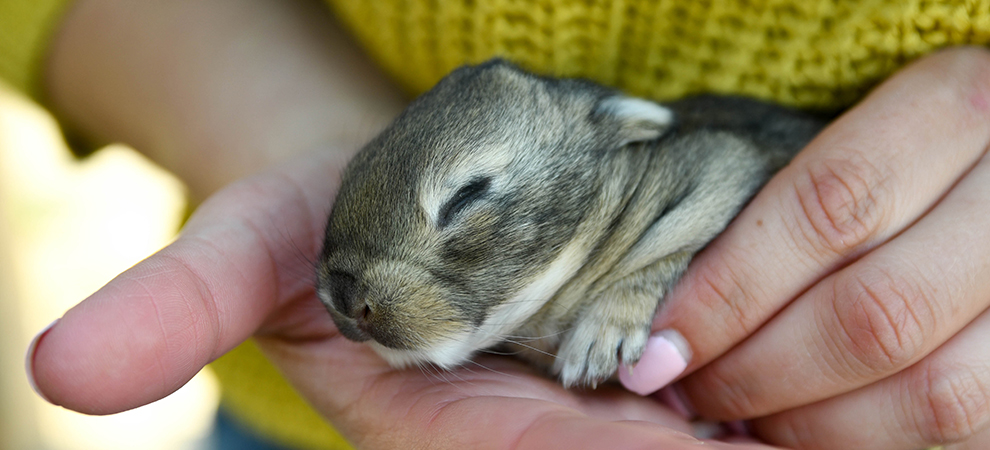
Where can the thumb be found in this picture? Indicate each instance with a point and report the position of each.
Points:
(246, 253)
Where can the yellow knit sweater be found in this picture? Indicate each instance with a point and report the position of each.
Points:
(821, 54)
(808, 53)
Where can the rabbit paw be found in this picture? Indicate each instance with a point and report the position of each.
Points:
(592, 351)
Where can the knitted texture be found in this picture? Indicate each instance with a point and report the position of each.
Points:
(26, 28)
(821, 54)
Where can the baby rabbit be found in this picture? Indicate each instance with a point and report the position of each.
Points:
(547, 215)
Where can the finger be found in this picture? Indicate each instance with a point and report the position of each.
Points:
(498, 404)
(149, 330)
(869, 320)
(980, 441)
(863, 180)
(944, 398)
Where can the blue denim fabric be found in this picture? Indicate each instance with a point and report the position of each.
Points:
(229, 434)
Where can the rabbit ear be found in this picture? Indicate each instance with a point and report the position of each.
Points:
(638, 120)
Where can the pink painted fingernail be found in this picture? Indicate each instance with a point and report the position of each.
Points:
(29, 359)
(666, 356)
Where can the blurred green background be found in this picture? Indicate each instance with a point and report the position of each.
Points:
(67, 227)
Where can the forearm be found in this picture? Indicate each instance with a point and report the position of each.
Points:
(215, 90)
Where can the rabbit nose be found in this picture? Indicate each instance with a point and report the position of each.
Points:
(345, 297)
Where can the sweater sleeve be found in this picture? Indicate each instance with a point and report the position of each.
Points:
(26, 29)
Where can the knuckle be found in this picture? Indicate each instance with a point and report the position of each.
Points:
(720, 291)
(968, 69)
(203, 319)
(842, 203)
(790, 430)
(737, 398)
(960, 81)
(884, 321)
(954, 404)
(968, 52)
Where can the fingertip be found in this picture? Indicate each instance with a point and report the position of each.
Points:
(29, 359)
(108, 354)
(75, 368)
(664, 359)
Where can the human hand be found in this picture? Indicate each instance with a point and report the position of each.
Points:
(243, 267)
(847, 305)
(211, 109)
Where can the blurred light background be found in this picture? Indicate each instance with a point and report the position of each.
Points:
(66, 228)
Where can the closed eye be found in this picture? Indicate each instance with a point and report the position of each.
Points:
(466, 195)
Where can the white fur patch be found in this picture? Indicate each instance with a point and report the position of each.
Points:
(508, 316)
(637, 109)
(441, 184)
(641, 120)
(503, 319)
(447, 354)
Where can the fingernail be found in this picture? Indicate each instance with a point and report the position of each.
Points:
(29, 359)
(674, 399)
(666, 356)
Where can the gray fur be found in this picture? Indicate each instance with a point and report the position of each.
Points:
(470, 197)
